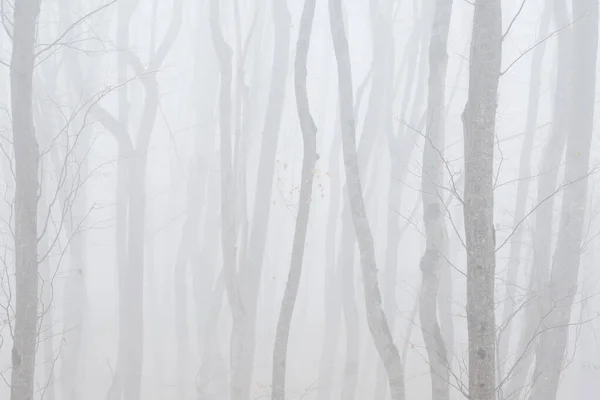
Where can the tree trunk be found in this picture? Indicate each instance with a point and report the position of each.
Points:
(25, 18)
(561, 291)
(251, 270)
(514, 259)
(479, 119)
(436, 252)
(542, 232)
(309, 132)
(375, 316)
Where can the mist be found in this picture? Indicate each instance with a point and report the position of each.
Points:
(340, 199)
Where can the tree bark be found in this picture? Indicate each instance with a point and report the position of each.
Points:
(309, 132)
(562, 289)
(436, 252)
(514, 260)
(26, 150)
(375, 316)
(542, 232)
(250, 272)
(479, 119)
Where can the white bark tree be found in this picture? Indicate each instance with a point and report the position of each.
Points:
(436, 252)
(479, 119)
(388, 352)
(562, 288)
(25, 20)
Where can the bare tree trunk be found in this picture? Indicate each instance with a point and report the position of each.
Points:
(309, 131)
(561, 291)
(434, 259)
(332, 282)
(75, 296)
(26, 13)
(346, 266)
(228, 231)
(250, 271)
(375, 316)
(479, 119)
(514, 260)
(542, 233)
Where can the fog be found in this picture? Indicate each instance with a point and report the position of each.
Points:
(341, 199)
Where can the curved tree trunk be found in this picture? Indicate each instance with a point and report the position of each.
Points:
(250, 271)
(436, 252)
(562, 289)
(514, 259)
(542, 232)
(375, 317)
(309, 132)
(479, 119)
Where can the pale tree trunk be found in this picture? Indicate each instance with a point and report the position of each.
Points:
(479, 119)
(26, 13)
(375, 316)
(205, 86)
(434, 259)
(228, 230)
(544, 206)
(75, 296)
(514, 260)
(332, 282)
(562, 288)
(334, 277)
(346, 263)
(131, 200)
(250, 271)
(401, 147)
(309, 131)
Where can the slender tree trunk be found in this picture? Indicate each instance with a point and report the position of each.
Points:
(514, 261)
(562, 289)
(346, 263)
(25, 18)
(75, 296)
(375, 316)
(479, 119)
(250, 271)
(309, 131)
(228, 231)
(542, 232)
(121, 197)
(332, 282)
(434, 259)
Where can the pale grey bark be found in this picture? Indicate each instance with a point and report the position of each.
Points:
(205, 85)
(244, 330)
(332, 292)
(434, 259)
(516, 242)
(346, 260)
(546, 190)
(25, 18)
(228, 229)
(309, 131)
(479, 119)
(131, 198)
(75, 291)
(562, 288)
(375, 316)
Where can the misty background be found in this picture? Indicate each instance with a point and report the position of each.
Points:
(246, 199)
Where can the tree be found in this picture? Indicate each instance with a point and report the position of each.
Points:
(26, 13)
(434, 259)
(387, 350)
(559, 295)
(479, 120)
(309, 131)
